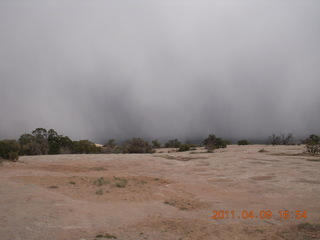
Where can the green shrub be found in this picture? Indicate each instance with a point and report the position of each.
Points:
(99, 192)
(13, 156)
(156, 144)
(85, 146)
(212, 142)
(41, 142)
(309, 226)
(100, 182)
(137, 145)
(313, 144)
(313, 148)
(111, 143)
(173, 143)
(243, 142)
(120, 182)
(9, 149)
(184, 147)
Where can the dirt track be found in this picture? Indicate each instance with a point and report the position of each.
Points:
(162, 195)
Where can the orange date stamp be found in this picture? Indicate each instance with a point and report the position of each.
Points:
(263, 214)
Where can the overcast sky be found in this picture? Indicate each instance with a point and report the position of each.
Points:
(160, 69)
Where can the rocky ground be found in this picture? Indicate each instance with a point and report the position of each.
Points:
(228, 194)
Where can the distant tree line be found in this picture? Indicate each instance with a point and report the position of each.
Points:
(43, 142)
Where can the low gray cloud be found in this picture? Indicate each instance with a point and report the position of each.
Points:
(160, 69)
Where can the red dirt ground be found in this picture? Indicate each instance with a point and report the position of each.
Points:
(163, 195)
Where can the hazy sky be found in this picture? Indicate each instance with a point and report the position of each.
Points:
(160, 69)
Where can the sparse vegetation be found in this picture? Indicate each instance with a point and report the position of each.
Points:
(173, 143)
(111, 147)
(137, 145)
(9, 149)
(106, 236)
(100, 182)
(170, 202)
(243, 142)
(111, 143)
(281, 140)
(184, 147)
(212, 142)
(99, 192)
(156, 143)
(313, 144)
(85, 146)
(99, 169)
(116, 182)
(43, 142)
(309, 226)
(120, 182)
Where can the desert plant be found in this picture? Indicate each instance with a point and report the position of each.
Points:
(309, 226)
(212, 142)
(156, 143)
(280, 140)
(120, 182)
(111, 143)
(85, 146)
(106, 236)
(137, 145)
(191, 144)
(313, 148)
(313, 144)
(173, 143)
(99, 192)
(274, 140)
(9, 149)
(314, 138)
(100, 182)
(184, 147)
(243, 142)
(286, 139)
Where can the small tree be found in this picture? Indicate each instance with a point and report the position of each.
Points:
(280, 140)
(85, 146)
(212, 142)
(173, 143)
(286, 140)
(314, 138)
(274, 140)
(110, 146)
(156, 143)
(137, 145)
(243, 142)
(184, 147)
(313, 144)
(111, 143)
(53, 141)
(66, 145)
(9, 149)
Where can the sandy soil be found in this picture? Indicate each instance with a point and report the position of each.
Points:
(165, 195)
